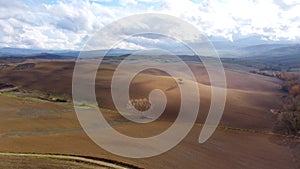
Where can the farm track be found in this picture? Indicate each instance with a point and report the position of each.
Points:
(101, 163)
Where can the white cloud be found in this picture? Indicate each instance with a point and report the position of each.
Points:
(100, 0)
(67, 24)
(6, 28)
(127, 2)
(60, 25)
(230, 17)
(129, 46)
(291, 2)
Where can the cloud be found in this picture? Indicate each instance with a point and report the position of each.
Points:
(148, 42)
(6, 28)
(126, 2)
(235, 17)
(67, 24)
(291, 2)
(61, 25)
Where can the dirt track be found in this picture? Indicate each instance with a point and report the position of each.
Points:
(30, 160)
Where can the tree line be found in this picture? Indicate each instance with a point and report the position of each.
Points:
(288, 120)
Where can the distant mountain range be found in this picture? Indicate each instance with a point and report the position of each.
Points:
(58, 54)
(241, 48)
(253, 46)
(21, 52)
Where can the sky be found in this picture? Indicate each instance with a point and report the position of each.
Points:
(66, 24)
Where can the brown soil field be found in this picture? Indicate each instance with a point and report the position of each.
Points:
(244, 139)
(249, 96)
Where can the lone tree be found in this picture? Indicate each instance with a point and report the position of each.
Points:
(141, 105)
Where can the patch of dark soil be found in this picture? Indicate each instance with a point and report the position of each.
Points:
(6, 85)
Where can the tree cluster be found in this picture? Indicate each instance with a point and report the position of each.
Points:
(289, 116)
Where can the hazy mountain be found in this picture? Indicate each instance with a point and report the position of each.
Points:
(252, 46)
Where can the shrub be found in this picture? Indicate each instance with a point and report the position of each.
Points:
(180, 80)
